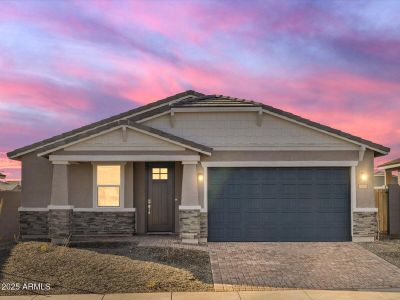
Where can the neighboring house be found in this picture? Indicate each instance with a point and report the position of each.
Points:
(210, 168)
(379, 179)
(388, 168)
(11, 185)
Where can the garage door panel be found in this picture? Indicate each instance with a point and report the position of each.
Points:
(279, 204)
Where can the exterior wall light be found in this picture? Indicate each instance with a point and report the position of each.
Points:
(200, 177)
(364, 177)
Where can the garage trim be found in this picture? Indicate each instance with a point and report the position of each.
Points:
(233, 164)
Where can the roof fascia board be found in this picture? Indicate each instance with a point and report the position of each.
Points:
(215, 109)
(100, 125)
(323, 131)
(285, 163)
(119, 158)
(154, 116)
(389, 166)
(120, 127)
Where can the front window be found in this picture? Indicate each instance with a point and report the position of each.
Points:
(108, 185)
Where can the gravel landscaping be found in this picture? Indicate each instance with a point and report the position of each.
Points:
(121, 269)
(388, 250)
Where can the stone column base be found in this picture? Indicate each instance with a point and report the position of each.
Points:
(189, 225)
(203, 228)
(364, 226)
(59, 221)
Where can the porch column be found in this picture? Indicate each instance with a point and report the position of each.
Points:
(60, 212)
(189, 210)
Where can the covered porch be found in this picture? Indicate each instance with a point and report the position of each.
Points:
(108, 194)
(121, 179)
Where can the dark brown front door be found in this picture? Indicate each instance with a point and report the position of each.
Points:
(160, 197)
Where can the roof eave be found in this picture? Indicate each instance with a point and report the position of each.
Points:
(138, 127)
(19, 152)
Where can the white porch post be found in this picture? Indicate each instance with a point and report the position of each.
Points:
(60, 212)
(189, 210)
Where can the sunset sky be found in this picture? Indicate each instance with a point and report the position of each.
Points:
(64, 64)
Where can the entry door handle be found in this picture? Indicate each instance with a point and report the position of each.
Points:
(148, 206)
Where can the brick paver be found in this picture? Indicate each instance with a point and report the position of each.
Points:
(266, 266)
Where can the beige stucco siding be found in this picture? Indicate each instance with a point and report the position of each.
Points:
(240, 130)
(365, 195)
(282, 156)
(80, 181)
(140, 195)
(178, 192)
(36, 181)
(129, 187)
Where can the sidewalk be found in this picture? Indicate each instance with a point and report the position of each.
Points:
(245, 295)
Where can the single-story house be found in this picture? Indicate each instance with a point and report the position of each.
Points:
(379, 179)
(388, 168)
(12, 185)
(209, 167)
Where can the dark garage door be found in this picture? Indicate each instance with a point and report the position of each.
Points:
(279, 204)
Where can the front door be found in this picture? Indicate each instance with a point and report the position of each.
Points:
(160, 197)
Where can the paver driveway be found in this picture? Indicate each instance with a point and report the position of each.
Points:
(265, 266)
(258, 266)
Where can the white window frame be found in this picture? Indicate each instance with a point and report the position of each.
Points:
(122, 184)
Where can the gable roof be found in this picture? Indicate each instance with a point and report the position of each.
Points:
(135, 126)
(187, 99)
(226, 101)
(136, 111)
(395, 163)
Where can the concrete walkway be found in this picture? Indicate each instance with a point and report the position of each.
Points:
(244, 295)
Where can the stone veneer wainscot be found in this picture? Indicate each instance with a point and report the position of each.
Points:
(364, 225)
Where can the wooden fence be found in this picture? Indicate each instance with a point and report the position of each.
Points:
(381, 202)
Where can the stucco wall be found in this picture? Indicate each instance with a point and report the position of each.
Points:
(129, 187)
(365, 196)
(80, 180)
(140, 196)
(281, 156)
(36, 179)
(178, 192)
